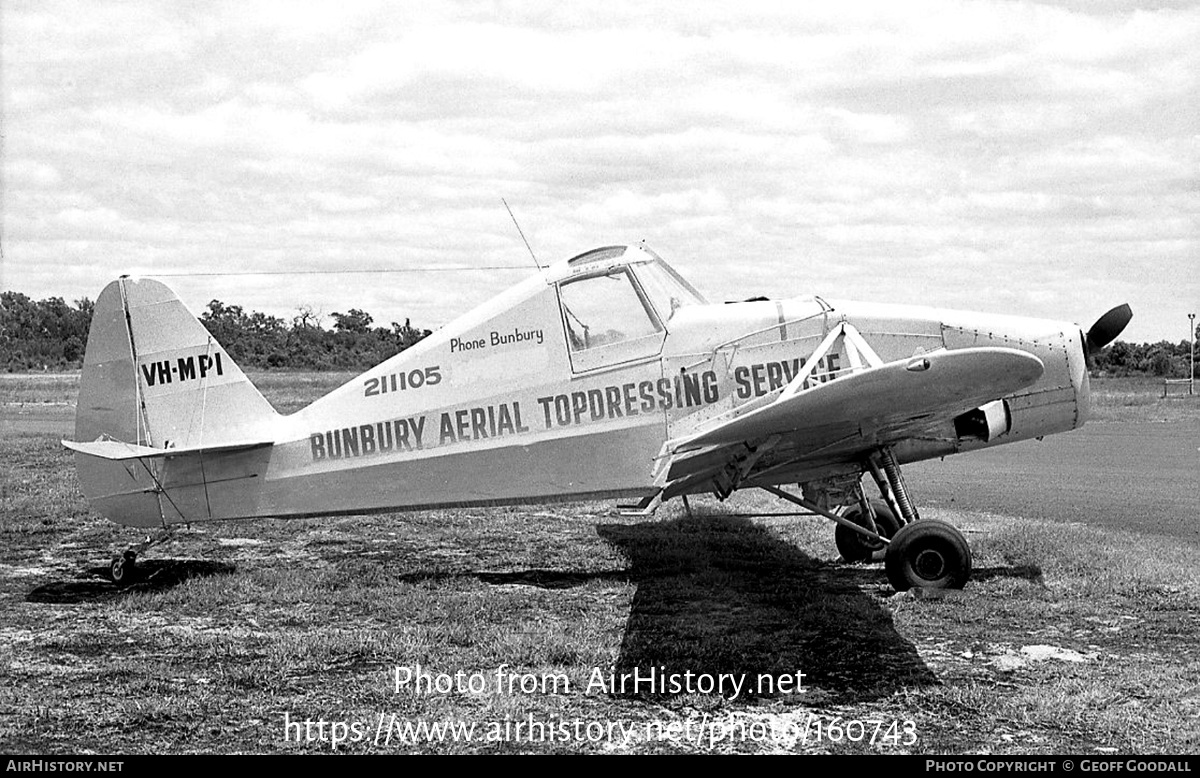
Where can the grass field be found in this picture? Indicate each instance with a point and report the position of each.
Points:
(1142, 399)
(247, 635)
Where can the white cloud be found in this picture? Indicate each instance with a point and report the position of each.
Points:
(865, 149)
(31, 174)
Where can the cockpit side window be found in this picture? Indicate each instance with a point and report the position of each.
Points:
(601, 310)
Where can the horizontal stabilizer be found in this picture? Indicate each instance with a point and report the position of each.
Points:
(120, 450)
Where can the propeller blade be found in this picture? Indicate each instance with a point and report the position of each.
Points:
(1108, 327)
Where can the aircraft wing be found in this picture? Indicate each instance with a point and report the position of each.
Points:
(855, 413)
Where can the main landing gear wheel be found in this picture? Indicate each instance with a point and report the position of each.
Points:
(856, 547)
(124, 570)
(928, 554)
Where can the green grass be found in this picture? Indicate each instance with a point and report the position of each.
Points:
(244, 623)
(311, 618)
(289, 391)
(1141, 399)
(48, 388)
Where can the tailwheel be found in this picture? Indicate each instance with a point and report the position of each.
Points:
(928, 554)
(856, 547)
(123, 569)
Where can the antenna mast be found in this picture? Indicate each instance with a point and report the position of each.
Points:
(521, 233)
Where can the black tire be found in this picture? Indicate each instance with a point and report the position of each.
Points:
(855, 547)
(123, 569)
(928, 554)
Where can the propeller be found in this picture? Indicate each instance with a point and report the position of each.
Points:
(1107, 328)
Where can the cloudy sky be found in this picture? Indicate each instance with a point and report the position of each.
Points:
(1031, 158)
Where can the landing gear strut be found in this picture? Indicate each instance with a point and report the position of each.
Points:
(124, 569)
(924, 553)
(916, 552)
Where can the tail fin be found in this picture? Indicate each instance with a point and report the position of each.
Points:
(153, 376)
(155, 380)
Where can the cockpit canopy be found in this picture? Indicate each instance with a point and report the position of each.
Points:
(629, 287)
(619, 300)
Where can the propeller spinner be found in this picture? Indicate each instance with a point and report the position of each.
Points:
(1107, 328)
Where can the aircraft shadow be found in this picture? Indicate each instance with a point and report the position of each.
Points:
(720, 594)
(155, 575)
(542, 578)
(1028, 572)
(550, 579)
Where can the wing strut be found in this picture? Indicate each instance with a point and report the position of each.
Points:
(812, 506)
(858, 352)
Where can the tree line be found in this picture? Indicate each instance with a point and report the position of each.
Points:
(52, 335)
(1162, 359)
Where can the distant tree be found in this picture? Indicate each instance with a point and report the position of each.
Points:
(42, 335)
(406, 335)
(1164, 359)
(76, 330)
(306, 318)
(224, 322)
(356, 321)
(307, 346)
(252, 339)
(51, 334)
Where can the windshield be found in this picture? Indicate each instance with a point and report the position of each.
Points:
(667, 290)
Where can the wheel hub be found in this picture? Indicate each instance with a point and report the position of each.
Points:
(929, 564)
